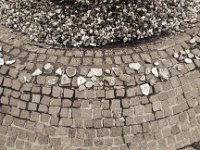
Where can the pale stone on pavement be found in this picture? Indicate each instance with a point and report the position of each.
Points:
(24, 77)
(190, 55)
(107, 71)
(135, 66)
(65, 80)
(188, 60)
(145, 88)
(80, 80)
(95, 72)
(1, 61)
(156, 63)
(48, 67)
(154, 71)
(37, 72)
(10, 62)
(59, 71)
(176, 55)
(89, 84)
(193, 41)
(117, 70)
(71, 71)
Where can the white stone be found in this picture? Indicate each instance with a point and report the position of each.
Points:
(1, 61)
(107, 71)
(80, 80)
(197, 57)
(164, 73)
(59, 71)
(89, 84)
(65, 79)
(10, 62)
(145, 88)
(48, 67)
(193, 41)
(37, 72)
(188, 60)
(176, 55)
(190, 55)
(156, 63)
(135, 66)
(154, 71)
(95, 72)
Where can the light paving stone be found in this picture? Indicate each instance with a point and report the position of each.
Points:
(71, 71)
(65, 80)
(37, 72)
(95, 72)
(145, 88)
(80, 80)
(135, 66)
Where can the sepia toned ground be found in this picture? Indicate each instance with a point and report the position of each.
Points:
(109, 110)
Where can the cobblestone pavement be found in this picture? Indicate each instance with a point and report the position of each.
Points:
(144, 97)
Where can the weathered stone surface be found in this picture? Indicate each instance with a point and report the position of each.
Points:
(71, 71)
(155, 71)
(59, 71)
(1, 61)
(65, 80)
(110, 80)
(80, 80)
(125, 77)
(95, 72)
(135, 66)
(37, 72)
(145, 88)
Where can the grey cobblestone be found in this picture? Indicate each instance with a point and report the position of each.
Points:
(37, 114)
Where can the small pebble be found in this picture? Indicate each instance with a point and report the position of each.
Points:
(188, 60)
(135, 66)
(176, 55)
(193, 41)
(80, 80)
(37, 72)
(1, 61)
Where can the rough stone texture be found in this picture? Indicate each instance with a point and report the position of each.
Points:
(36, 115)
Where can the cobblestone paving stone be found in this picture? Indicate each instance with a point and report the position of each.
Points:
(106, 109)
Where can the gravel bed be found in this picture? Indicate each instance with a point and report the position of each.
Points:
(97, 22)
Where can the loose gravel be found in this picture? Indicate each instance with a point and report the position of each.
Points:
(97, 22)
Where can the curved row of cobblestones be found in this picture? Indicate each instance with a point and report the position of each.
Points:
(39, 112)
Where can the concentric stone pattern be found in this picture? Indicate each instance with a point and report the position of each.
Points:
(109, 110)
